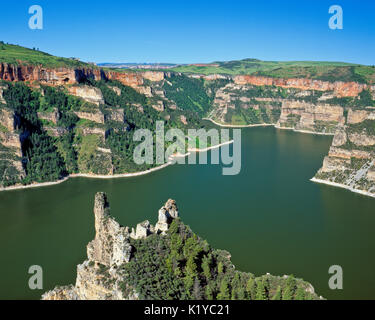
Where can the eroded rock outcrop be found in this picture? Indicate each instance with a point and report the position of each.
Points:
(105, 248)
(53, 116)
(11, 167)
(100, 277)
(94, 115)
(87, 93)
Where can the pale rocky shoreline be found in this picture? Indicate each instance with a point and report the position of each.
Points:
(305, 131)
(343, 186)
(239, 125)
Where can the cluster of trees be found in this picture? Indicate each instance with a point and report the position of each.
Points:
(188, 93)
(41, 158)
(56, 98)
(180, 265)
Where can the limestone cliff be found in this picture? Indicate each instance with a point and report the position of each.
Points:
(316, 118)
(238, 104)
(11, 167)
(87, 93)
(67, 76)
(351, 159)
(341, 89)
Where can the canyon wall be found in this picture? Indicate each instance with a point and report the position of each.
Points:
(63, 76)
(11, 167)
(305, 116)
(351, 159)
(341, 89)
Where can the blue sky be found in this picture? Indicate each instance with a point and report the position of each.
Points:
(194, 31)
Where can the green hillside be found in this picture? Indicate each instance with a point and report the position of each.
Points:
(320, 70)
(13, 54)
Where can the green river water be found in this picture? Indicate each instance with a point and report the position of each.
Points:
(270, 217)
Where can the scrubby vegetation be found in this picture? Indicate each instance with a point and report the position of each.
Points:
(366, 127)
(181, 265)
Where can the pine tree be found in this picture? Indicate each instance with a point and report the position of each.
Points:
(220, 268)
(300, 294)
(206, 266)
(289, 291)
(277, 295)
(209, 293)
(235, 286)
(261, 291)
(224, 293)
(251, 288)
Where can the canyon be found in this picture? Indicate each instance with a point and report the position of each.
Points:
(299, 104)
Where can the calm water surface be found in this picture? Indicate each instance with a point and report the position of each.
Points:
(270, 217)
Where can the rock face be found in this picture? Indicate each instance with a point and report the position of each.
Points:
(233, 101)
(11, 167)
(94, 115)
(1, 95)
(302, 115)
(166, 214)
(64, 76)
(87, 93)
(51, 76)
(100, 276)
(117, 115)
(53, 116)
(153, 75)
(340, 89)
(358, 116)
(351, 158)
(7, 119)
(111, 244)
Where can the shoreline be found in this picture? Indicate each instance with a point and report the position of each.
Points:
(267, 125)
(304, 131)
(113, 176)
(343, 186)
(239, 125)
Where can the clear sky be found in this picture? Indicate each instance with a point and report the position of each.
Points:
(186, 31)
